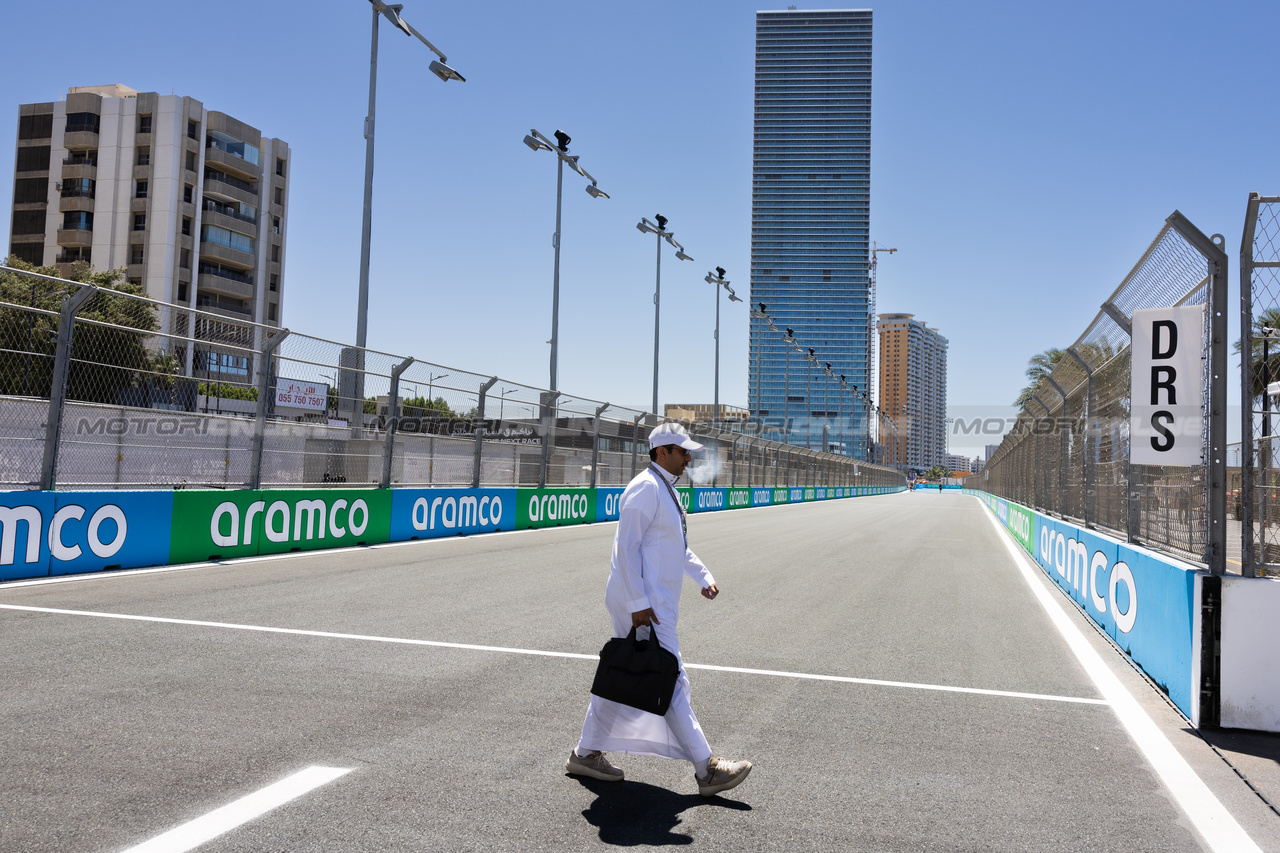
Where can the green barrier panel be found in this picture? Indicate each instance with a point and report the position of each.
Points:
(738, 498)
(686, 497)
(1022, 525)
(554, 507)
(781, 495)
(225, 524)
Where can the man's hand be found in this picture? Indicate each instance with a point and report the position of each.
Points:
(711, 592)
(643, 617)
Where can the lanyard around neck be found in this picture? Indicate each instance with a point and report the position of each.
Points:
(684, 524)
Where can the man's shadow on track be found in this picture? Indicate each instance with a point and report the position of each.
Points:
(634, 813)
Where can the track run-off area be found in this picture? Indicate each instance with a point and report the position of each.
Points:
(902, 676)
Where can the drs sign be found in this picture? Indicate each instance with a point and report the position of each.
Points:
(1167, 386)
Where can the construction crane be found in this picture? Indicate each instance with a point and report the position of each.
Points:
(872, 343)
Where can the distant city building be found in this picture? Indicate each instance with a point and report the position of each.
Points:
(704, 412)
(913, 390)
(191, 202)
(957, 462)
(990, 452)
(810, 214)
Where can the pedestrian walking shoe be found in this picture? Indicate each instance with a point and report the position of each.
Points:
(722, 775)
(595, 765)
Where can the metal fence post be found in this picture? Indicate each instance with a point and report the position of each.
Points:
(635, 441)
(1090, 439)
(71, 306)
(548, 406)
(595, 443)
(1248, 559)
(393, 410)
(1216, 259)
(1064, 454)
(479, 430)
(260, 420)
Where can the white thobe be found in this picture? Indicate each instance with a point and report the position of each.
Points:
(650, 559)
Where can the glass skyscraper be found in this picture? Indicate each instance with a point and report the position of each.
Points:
(810, 215)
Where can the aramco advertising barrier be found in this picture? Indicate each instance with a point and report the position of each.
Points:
(53, 533)
(1146, 604)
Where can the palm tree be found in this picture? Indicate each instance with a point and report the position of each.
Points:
(1268, 319)
(1039, 366)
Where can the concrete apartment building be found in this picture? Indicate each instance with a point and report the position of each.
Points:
(913, 390)
(192, 202)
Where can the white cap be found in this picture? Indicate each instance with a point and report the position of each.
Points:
(672, 433)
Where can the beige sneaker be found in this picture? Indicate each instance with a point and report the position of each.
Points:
(594, 765)
(722, 775)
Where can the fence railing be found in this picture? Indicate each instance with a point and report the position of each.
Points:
(1069, 454)
(103, 388)
(1255, 492)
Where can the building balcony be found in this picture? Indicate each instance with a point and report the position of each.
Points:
(72, 171)
(231, 163)
(224, 308)
(235, 257)
(236, 223)
(213, 283)
(73, 238)
(80, 139)
(218, 187)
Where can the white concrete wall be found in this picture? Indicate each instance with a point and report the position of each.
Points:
(1249, 659)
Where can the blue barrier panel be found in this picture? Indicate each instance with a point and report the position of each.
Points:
(820, 493)
(24, 549)
(795, 495)
(607, 501)
(1143, 601)
(709, 500)
(429, 513)
(761, 496)
(90, 531)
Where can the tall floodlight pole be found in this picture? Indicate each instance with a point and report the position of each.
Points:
(445, 73)
(560, 148)
(788, 341)
(812, 358)
(644, 226)
(826, 414)
(760, 313)
(720, 281)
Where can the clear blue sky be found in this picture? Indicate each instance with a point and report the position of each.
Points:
(1023, 155)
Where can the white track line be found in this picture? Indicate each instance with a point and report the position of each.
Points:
(287, 555)
(1219, 829)
(470, 647)
(192, 834)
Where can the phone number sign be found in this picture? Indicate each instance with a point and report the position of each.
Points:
(302, 395)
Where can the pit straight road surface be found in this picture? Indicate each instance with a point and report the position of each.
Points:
(117, 730)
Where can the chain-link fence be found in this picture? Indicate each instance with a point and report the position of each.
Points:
(1068, 454)
(104, 388)
(1254, 486)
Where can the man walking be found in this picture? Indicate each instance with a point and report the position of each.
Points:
(651, 556)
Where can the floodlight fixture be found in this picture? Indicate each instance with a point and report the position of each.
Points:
(662, 221)
(595, 192)
(562, 140)
(444, 72)
(535, 144)
(720, 271)
(681, 256)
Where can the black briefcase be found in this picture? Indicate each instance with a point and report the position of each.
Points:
(639, 673)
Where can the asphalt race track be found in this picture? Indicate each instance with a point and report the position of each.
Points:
(414, 670)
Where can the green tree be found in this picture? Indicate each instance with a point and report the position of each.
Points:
(104, 358)
(1039, 366)
(422, 407)
(937, 472)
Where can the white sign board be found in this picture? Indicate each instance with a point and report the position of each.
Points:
(1166, 414)
(295, 394)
